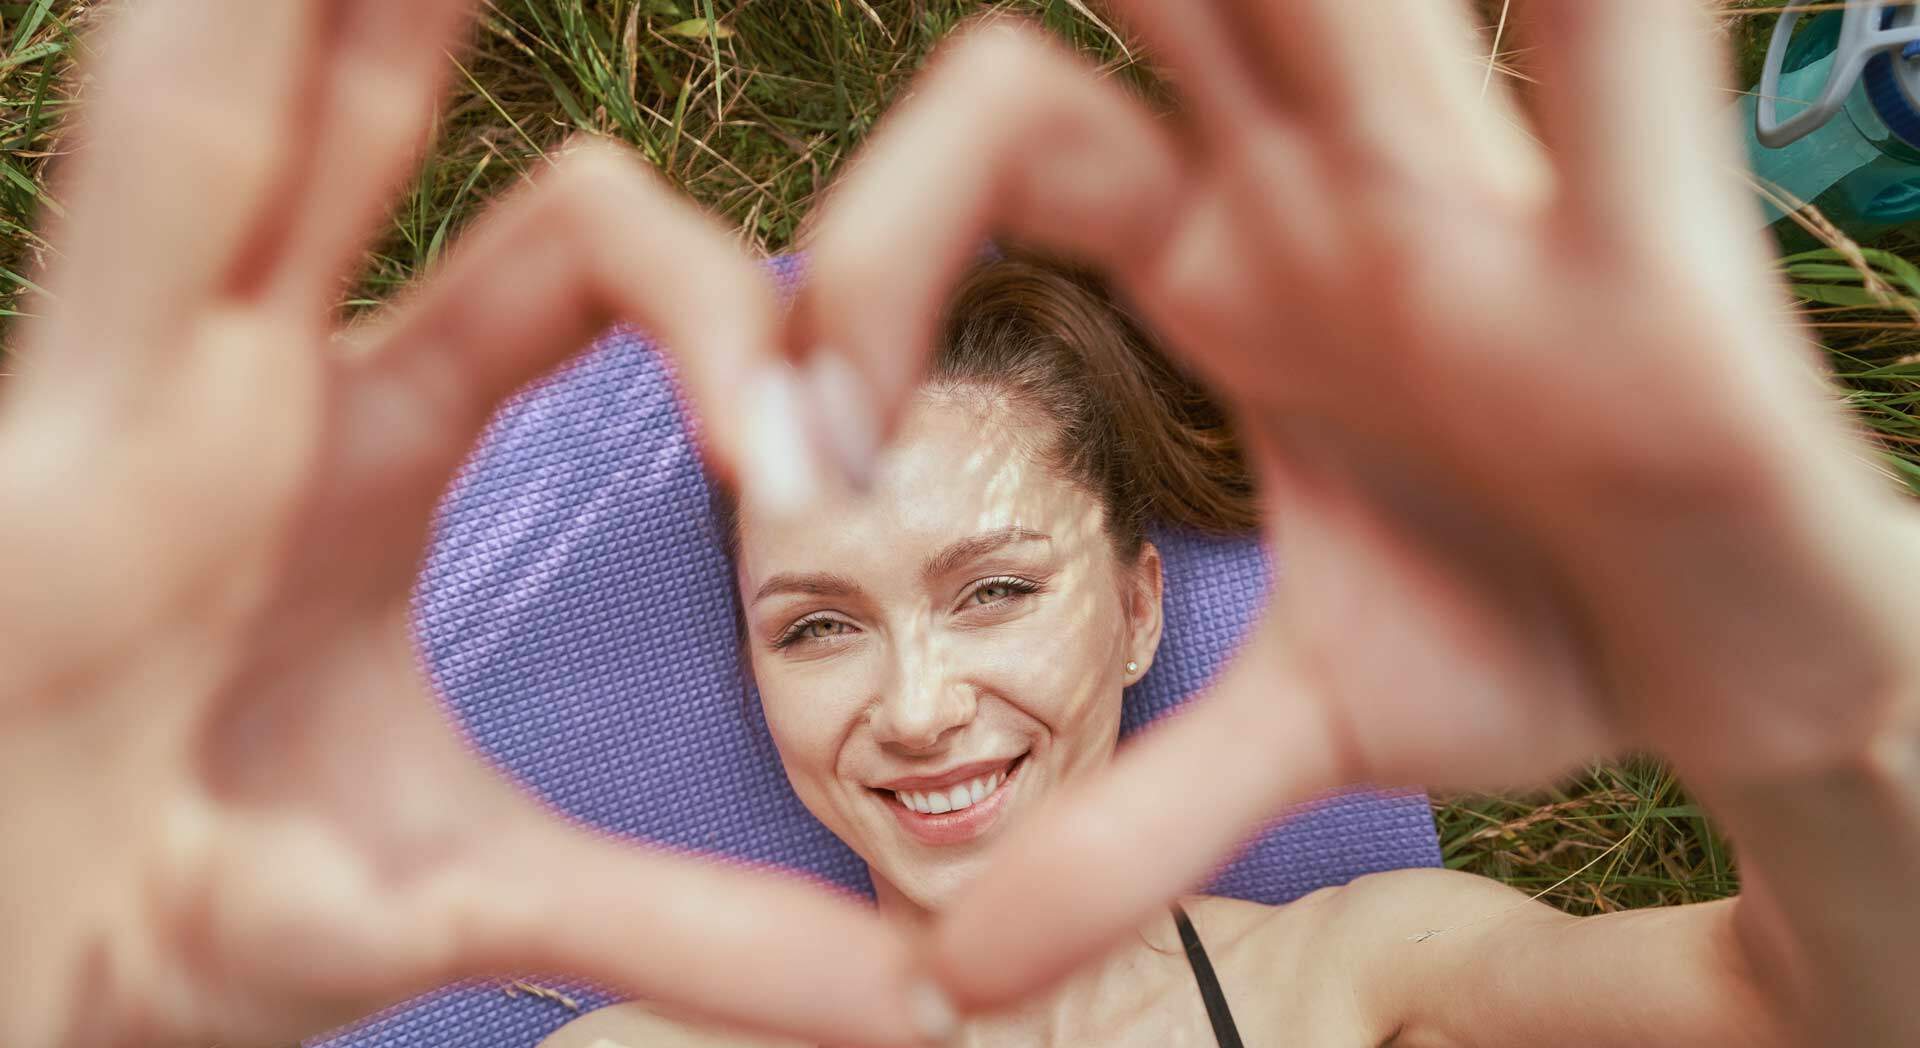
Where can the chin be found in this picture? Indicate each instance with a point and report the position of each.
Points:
(930, 859)
(933, 890)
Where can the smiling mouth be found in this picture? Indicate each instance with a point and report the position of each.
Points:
(958, 797)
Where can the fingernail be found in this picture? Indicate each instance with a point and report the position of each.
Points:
(844, 409)
(780, 474)
(934, 1018)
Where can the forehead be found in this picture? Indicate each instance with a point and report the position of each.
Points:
(961, 464)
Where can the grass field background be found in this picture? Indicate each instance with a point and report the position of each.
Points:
(751, 106)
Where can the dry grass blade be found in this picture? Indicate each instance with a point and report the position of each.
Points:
(1087, 13)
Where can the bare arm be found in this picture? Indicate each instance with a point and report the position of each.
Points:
(1443, 959)
(1820, 948)
(1829, 919)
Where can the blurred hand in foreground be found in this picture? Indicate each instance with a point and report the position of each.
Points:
(1549, 466)
(1551, 472)
(233, 810)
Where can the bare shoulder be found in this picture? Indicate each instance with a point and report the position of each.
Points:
(1423, 905)
(1441, 958)
(1409, 905)
(1334, 966)
(1284, 972)
(634, 1025)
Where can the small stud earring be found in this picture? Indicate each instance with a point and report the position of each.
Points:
(1132, 666)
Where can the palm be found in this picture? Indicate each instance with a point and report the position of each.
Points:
(1432, 669)
(1496, 431)
(311, 791)
(1426, 409)
(274, 826)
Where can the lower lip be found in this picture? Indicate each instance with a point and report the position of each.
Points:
(954, 827)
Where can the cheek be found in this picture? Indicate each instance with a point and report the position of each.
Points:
(1055, 667)
(809, 713)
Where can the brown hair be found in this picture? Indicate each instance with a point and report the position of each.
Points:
(1128, 424)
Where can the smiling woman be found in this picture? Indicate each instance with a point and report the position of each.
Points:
(943, 652)
(1551, 469)
(950, 648)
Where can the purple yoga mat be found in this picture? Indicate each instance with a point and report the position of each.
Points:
(574, 612)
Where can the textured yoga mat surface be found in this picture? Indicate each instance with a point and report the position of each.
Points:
(574, 611)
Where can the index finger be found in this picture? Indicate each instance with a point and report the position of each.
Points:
(751, 949)
(1008, 135)
(185, 155)
(1644, 147)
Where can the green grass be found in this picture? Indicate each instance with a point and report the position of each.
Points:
(751, 106)
(748, 107)
(37, 43)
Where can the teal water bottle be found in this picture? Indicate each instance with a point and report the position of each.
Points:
(1835, 120)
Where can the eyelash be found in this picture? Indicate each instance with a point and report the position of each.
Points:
(1020, 587)
(796, 633)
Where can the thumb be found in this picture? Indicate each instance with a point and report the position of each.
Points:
(1101, 860)
(750, 949)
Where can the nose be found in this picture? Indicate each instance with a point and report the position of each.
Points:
(921, 702)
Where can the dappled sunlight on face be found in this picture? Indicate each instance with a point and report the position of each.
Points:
(936, 656)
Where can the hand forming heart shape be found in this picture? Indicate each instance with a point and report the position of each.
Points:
(1557, 543)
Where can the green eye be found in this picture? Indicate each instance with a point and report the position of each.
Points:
(819, 628)
(1001, 590)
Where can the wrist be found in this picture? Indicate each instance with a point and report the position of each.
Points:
(1828, 859)
(1852, 813)
(75, 940)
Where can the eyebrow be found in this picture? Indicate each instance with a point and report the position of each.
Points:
(826, 584)
(978, 546)
(816, 584)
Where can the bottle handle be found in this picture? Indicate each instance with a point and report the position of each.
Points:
(1861, 37)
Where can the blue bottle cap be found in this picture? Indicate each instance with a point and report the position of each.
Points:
(1871, 33)
(1893, 83)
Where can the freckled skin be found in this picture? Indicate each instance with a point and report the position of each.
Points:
(911, 675)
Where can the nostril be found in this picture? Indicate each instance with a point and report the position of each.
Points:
(921, 722)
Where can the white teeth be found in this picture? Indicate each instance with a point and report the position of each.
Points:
(965, 795)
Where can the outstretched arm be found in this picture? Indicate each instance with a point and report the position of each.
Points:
(1828, 920)
(1442, 959)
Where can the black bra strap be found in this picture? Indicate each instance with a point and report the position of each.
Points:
(1218, 1013)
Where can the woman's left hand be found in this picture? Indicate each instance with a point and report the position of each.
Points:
(1548, 464)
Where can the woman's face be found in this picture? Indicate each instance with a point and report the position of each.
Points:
(937, 656)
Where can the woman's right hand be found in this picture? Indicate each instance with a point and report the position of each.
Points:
(1543, 455)
(232, 808)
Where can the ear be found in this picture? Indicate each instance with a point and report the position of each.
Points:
(1144, 588)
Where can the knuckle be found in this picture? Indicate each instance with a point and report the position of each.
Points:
(1007, 66)
(588, 173)
(993, 43)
